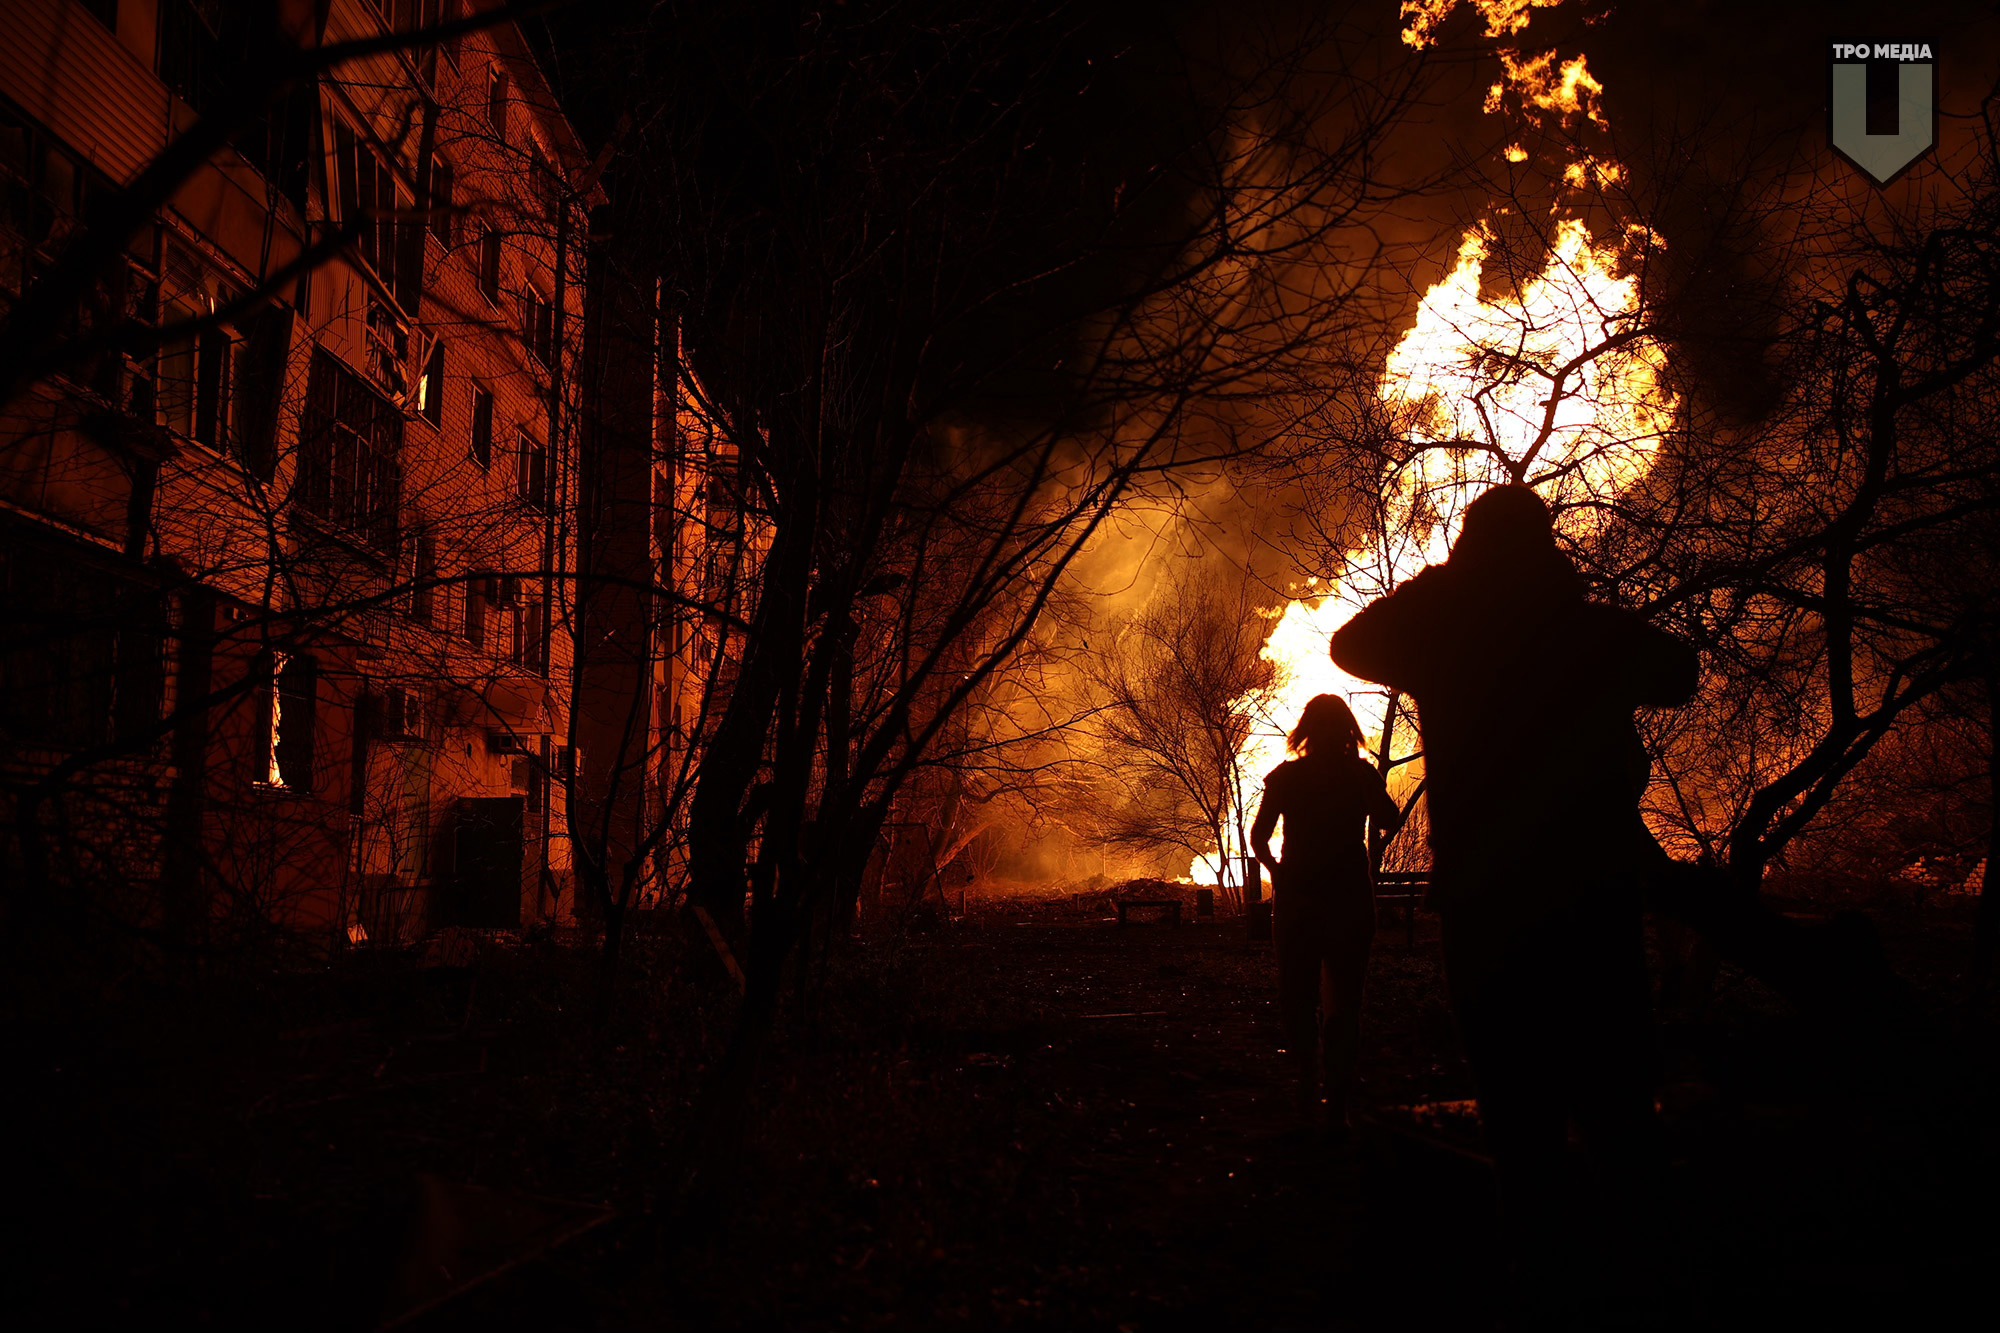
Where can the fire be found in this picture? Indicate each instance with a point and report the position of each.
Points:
(1556, 382)
(1568, 89)
(1504, 18)
(1592, 171)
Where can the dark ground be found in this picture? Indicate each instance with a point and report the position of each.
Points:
(1029, 1119)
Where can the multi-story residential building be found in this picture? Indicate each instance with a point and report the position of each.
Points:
(286, 539)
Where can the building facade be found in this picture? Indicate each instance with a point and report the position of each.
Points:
(289, 526)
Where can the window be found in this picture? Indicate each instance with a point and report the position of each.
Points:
(388, 348)
(531, 475)
(531, 778)
(350, 454)
(44, 195)
(193, 62)
(547, 186)
(82, 657)
(401, 714)
(262, 355)
(370, 202)
(531, 636)
(538, 325)
(475, 611)
(443, 219)
(417, 16)
(453, 11)
(192, 388)
(496, 102)
(423, 577)
(192, 376)
(203, 46)
(430, 389)
(482, 428)
(289, 706)
(489, 263)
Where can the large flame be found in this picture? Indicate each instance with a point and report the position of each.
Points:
(1504, 18)
(1556, 382)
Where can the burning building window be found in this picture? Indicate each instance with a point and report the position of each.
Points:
(288, 700)
(430, 388)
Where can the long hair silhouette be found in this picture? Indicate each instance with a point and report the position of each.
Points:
(1326, 727)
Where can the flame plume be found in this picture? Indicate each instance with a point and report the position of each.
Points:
(1556, 383)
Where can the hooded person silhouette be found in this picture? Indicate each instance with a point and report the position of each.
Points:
(1525, 693)
(1325, 893)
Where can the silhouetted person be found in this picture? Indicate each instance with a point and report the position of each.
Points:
(1534, 771)
(1325, 893)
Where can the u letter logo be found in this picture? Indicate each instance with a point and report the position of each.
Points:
(1884, 156)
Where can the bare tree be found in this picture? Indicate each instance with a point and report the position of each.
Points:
(947, 336)
(1183, 685)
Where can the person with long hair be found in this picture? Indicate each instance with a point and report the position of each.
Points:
(1325, 893)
